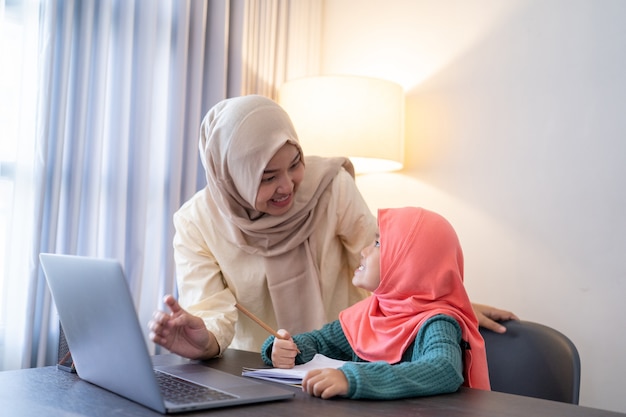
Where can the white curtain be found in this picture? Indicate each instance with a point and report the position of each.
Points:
(281, 41)
(122, 89)
(122, 86)
(18, 75)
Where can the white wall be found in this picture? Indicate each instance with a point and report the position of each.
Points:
(516, 131)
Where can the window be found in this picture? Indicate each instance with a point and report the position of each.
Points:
(18, 87)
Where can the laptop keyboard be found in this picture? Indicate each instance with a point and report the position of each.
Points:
(180, 391)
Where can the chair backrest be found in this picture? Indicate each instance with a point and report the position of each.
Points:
(533, 360)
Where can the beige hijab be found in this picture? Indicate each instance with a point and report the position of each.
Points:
(238, 138)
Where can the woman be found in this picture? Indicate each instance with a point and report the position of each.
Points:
(273, 230)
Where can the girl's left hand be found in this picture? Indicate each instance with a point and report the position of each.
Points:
(325, 383)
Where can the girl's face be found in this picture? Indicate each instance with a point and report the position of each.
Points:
(280, 181)
(367, 275)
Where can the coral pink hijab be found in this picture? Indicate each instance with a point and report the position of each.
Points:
(421, 275)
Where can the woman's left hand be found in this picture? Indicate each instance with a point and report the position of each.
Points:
(488, 317)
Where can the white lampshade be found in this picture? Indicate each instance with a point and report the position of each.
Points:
(358, 117)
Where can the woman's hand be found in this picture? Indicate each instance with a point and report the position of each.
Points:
(182, 333)
(488, 317)
(284, 350)
(325, 383)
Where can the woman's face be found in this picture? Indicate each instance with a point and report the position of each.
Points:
(281, 178)
(367, 275)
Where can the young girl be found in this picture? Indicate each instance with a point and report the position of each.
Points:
(415, 335)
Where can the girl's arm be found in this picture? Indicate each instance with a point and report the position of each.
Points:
(435, 366)
(329, 341)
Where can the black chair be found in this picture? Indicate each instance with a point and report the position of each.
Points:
(533, 360)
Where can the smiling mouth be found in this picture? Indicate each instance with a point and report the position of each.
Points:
(280, 200)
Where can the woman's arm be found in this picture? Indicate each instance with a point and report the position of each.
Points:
(356, 225)
(201, 289)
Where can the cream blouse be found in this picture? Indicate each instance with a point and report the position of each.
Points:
(213, 274)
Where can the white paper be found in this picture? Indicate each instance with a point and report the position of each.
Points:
(294, 375)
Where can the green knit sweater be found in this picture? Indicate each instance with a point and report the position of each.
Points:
(431, 365)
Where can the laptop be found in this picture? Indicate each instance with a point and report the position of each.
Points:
(107, 344)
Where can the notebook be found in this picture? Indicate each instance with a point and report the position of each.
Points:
(295, 375)
(106, 341)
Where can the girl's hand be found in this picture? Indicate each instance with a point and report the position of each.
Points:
(325, 383)
(284, 351)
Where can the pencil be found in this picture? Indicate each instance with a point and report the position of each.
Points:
(259, 322)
